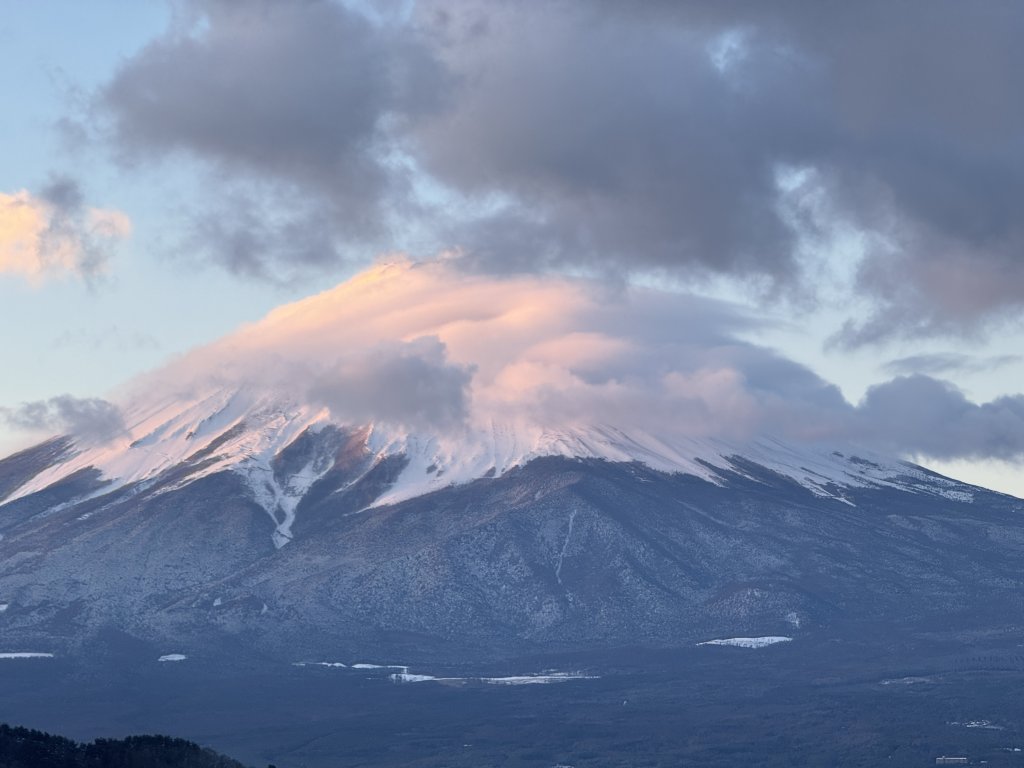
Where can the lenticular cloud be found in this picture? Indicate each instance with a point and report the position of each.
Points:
(430, 348)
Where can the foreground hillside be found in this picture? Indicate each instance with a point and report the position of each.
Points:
(25, 748)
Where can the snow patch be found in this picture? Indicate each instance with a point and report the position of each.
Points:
(953, 495)
(173, 657)
(25, 655)
(545, 678)
(748, 642)
(405, 677)
(363, 665)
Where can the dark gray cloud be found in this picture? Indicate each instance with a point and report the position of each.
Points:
(91, 419)
(260, 238)
(547, 354)
(613, 136)
(406, 383)
(947, 362)
(298, 94)
(927, 417)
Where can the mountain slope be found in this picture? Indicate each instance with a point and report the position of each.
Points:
(283, 449)
(237, 522)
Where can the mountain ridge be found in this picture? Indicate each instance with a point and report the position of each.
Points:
(284, 449)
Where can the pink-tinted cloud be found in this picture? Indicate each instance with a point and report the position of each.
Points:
(430, 345)
(437, 350)
(54, 234)
(89, 420)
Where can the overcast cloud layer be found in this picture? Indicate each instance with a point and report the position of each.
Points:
(696, 138)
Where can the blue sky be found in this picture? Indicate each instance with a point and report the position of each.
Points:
(263, 152)
(69, 335)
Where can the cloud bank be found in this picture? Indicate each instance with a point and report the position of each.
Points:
(55, 233)
(433, 347)
(692, 139)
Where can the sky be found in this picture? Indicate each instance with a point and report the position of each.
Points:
(739, 218)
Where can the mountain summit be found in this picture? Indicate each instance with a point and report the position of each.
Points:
(423, 462)
(233, 518)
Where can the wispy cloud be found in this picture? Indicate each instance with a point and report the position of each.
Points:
(54, 233)
(923, 416)
(410, 383)
(92, 420)
(948, 363)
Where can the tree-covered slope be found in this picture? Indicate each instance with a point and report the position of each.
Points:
(25, 748)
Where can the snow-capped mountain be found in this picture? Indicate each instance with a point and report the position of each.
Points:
(243, 518)
(249, 433)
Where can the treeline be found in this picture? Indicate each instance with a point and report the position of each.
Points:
(25, 748)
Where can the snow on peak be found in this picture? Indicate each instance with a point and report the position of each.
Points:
(177, 441)
(467, 376)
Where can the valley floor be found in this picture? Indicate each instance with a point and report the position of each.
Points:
(811, 702)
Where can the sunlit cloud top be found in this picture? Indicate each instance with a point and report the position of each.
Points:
(56, 234)
(830, 166)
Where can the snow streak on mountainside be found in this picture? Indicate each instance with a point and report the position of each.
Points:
(178, 442)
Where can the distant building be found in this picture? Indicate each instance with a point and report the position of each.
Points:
(951, 761)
